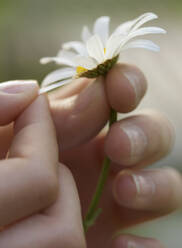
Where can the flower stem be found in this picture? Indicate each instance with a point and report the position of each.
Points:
(94, 211)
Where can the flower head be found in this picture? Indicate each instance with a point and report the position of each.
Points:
(98, 51)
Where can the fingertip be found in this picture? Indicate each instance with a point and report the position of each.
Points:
(117, 145)
(140, 140)
(15, 96)
(125, 86)
(156, 190)
(124, 188)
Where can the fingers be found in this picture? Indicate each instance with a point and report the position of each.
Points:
(150, 190)
(140, 140)
(87, 105)
(58, 226)
(15, 96)
(31, 169)
(125, 85)
(127, 241)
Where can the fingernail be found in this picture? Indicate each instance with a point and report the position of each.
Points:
(18, 86)
(130, 188)
(132, 244)
(144, 185)
(125, 188)
(135, 82)
(138, 142)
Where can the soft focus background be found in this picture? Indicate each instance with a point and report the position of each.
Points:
(31, 29)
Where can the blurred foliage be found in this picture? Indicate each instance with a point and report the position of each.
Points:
(32, 29)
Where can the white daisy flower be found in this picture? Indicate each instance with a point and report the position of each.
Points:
(98, 52)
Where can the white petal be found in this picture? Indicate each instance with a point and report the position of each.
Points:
(66, 57)
(47, 60)
(144, 19)
(126, 27)
(146, 30)
(140, 32)
(86, 34)
(54, 86)
(112, 46)
(95, 48)
(58, 75)
(147, 44)
(101, 28)
(77, 46)
(86, 62)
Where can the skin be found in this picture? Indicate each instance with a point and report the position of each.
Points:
(127, 199)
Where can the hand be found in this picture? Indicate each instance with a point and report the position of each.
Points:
(132, 195)
(30, 180)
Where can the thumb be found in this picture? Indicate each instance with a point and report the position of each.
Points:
(15, 96)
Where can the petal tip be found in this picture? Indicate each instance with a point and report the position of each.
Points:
(44, 61)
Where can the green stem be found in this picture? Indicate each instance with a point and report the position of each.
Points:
(93, 211)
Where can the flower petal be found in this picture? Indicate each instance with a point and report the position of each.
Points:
(146, 30)
(95, 48)
(86, 34)
(58, 75)
(66, 57)
(86, 62)
(113, 44)
(47, 60)
(54, 86)
(139, 32)
(144, 19)
(147, 44)
(101, 28)
(77, 46)
(126, 27)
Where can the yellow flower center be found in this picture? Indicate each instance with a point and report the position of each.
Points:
(80, 70)
(104, 50)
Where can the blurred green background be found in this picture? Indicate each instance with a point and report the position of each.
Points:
(31, 29)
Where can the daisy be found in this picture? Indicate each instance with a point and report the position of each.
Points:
(96, 54)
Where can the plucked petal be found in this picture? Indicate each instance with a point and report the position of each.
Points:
(77, 46)
(95, 48)
(101, 28)
(86, 62)
(54, 86)
(58, 75)
(86, 34)
(146, 44)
